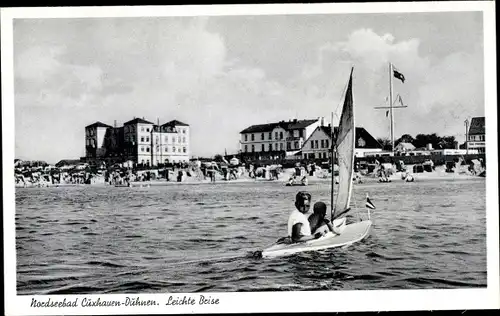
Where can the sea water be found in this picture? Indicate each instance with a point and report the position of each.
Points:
(196, 238)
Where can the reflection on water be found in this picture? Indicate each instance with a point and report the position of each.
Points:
(195, 238)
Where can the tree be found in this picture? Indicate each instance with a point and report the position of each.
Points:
(406, 138)
(385, 142)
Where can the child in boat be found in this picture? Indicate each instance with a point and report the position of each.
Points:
(317, 220)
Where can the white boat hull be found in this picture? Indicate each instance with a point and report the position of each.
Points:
(350, 234)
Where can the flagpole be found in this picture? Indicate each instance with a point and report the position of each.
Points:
(390, 107)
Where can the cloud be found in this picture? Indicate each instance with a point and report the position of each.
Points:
(439, 95)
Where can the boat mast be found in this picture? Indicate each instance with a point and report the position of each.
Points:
(390, 107)
(332, 160)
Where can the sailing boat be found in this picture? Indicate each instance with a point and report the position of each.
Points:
(345, 234)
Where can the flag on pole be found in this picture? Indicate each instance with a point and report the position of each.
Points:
(398, 74)
(400, 100)
(369, 203)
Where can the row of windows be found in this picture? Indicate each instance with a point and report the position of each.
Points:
(277, 135)
(276, 147)
(316, 155)
(476, 137)
(324, 143)
(174, 149)
(131, 128)
(157, 140)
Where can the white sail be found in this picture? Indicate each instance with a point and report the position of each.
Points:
(345, 153)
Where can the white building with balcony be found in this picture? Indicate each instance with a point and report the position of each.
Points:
(276, 140)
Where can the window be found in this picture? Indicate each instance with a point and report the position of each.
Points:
(296, 144)
(270, 147)
(166, 139)
(173, 149)
(142, 139)
(147, 149)
(142, 149)
(281, 146)
(270, 135)
(288, 146)
(312, 144)
(262, 147)
(316, 143)
(88, 142)
(322, 143)
(184, 139)
(173, 139)
(147, 139)
(246, 137)
(276, 146)
(301, 133)
(281, 135)
(253, 148)
(253, 138)
(147, 130)
(142, 129)
(262, 136)
(183, 131)
(183, 149)
(166, 149)
(327, 145)
(246, 148)
(179, 139)
(275, 135)
(142, 161)
(157, 149)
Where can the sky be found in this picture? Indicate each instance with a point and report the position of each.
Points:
(222, 74)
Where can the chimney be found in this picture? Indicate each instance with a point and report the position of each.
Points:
(322, 122)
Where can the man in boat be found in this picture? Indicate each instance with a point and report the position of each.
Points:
(298, 225)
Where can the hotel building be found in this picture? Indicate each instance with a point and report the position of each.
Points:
(278, 140)
(138, 140)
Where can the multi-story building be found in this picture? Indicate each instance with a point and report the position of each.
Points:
(95, 135)
(138, 140)
(319, 144)
(170, 142)
(476, 135)
(276, 140)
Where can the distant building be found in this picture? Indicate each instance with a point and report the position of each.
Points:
(138, 140)
(276, 140)
(318, 145)
(476, 135)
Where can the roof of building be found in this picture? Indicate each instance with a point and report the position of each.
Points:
(290, 125)
(98, 124)
(361, 133)
(477, 126)
(175, 123)
(136, 121)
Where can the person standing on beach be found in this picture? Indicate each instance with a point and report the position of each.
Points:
(298, 225)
